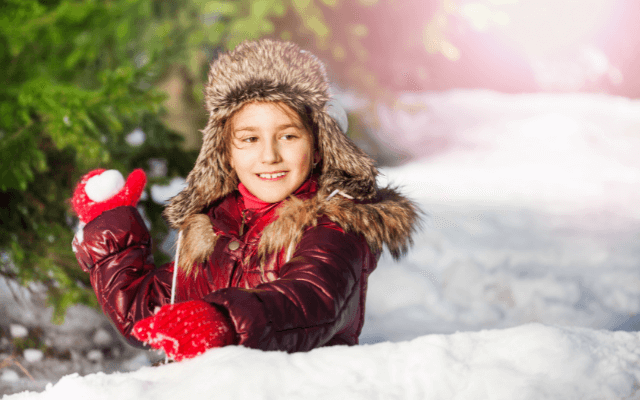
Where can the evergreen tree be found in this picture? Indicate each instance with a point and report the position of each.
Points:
(77, 78)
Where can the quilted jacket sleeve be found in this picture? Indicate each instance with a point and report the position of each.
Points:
(317, 295)
(116, 251)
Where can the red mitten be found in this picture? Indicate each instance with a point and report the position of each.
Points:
(186, 330)
(101, 190)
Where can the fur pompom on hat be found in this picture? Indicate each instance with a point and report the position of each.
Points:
(270, 71)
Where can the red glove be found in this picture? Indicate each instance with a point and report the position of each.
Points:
(186, 330)
(101, 190)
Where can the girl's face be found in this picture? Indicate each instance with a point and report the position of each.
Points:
(271, 150)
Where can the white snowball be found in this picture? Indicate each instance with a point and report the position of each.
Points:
(18, 331)
(104, 186)
(33, 355)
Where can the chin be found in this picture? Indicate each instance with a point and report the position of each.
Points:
(272, 195)
(272, 199)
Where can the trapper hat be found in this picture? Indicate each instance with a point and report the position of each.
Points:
(270, 71)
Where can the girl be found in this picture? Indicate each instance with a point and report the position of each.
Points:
(280, 224)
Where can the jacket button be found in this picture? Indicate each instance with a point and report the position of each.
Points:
(234, 245)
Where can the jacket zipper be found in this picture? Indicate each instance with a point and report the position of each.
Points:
(236, 272)
(244, 217)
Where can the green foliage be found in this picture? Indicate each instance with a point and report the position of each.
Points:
(78, 76)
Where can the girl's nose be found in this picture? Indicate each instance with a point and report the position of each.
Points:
(270, 152)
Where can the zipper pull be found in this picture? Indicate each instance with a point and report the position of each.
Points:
(244, 216)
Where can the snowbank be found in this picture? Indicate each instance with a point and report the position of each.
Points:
(528, 362)
(533, 215)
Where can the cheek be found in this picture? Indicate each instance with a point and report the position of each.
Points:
(233, 156)
(241, 160)
(304, 156)
(304, 161)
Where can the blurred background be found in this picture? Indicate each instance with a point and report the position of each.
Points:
(118, 84)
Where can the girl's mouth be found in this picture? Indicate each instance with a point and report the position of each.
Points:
(273, 176)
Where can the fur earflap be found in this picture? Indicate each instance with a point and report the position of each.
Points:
(269, 71)
(199, 242)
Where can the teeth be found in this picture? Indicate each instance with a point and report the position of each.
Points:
(272, 176)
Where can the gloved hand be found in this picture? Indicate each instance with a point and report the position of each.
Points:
(186, 330)
(101, 190)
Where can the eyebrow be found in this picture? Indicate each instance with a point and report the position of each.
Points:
(279, 127)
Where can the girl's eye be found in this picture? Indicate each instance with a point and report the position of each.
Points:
(289, 136)
(250, 139)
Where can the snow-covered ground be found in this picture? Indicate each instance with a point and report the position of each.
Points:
(528, 362)
(530, 252)
(533, 216)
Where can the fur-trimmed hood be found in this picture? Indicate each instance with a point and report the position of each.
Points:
(273, 71)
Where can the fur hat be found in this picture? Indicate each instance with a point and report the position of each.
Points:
(270, 71)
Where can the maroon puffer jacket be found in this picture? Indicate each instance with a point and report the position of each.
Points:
(317, 298)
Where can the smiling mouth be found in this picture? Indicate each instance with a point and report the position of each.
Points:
(273, 176)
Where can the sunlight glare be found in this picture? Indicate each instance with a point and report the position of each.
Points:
(542, 27)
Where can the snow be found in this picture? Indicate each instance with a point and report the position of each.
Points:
(136, 137)
(102, 338)
(104, 186)
(18, 331)
(33, 355)
(95, 355)
(338, 113)
(524, 282)
(9, 376)
(532, 216)
(526, 362)
(161, 194)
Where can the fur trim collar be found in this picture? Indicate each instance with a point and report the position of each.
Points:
(388, 220)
